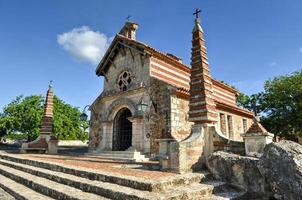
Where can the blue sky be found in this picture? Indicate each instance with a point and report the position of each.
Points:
(60, 40)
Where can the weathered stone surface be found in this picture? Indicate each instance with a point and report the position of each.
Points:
(240, 171)
(281, 164)
(5, 196)
(24, 178)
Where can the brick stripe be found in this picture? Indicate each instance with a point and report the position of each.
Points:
(187, 72)
(233, 101)
(220, 90)
(225, 101)
(168, 80)
(166, 71)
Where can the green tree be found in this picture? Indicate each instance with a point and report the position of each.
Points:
(252, 103)
(282, 105)
(24, 115)
(67, 123)
(243, 100)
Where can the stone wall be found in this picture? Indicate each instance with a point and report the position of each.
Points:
(159, 123)
(220, 142)
(236, 122)
(137, 65)
(180, 126)
(112, 99)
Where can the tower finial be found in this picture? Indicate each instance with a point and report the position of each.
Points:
(197, 20)
(128, 18)
(197, 11)
(50, 84)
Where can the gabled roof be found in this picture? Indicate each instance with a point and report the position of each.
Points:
(144, 49)
(256, 128)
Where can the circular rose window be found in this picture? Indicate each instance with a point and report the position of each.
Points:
(124, 80)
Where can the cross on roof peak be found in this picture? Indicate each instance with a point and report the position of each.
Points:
(196, 13)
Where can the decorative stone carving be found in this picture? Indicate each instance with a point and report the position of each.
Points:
(124, 80)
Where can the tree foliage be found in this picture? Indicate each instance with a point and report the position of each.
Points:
(24, 115)
(253, 103)
(280, 104)
(67, 123)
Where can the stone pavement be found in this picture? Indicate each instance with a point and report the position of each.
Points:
(148, 170)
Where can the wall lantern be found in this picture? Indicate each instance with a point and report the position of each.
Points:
(84, 116)
(142, 106)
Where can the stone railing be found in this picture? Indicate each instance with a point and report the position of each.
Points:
(191, 153)
(185, 155)
(222, 143)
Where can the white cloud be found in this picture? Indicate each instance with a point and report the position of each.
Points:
(273, 64)
(300, 50)
(84, 44)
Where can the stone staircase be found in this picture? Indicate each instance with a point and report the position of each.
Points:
(129, 156)
(32, 179)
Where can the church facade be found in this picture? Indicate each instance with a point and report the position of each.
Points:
(150, 96)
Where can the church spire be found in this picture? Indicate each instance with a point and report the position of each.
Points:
(202, 106)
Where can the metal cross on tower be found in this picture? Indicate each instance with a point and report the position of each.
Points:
(197, 11)
(128, 18)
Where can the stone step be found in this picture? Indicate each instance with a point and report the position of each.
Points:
(5, 196)
(130, 160)
(219, 186)
(119, 154)
(189, 192)
(223, 191)
(19, 191)
(123, 155)
(174, 187)
(231, 195)
(46, 186)
(97, 187)
(128, 181)
(194, 191)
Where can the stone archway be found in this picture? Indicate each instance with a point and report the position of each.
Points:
(122, 130)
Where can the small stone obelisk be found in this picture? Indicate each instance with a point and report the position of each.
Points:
(46, 142)
(47, 119)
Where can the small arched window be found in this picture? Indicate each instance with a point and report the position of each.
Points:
(124, 80)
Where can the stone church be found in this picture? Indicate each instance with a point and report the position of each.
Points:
(150, 96)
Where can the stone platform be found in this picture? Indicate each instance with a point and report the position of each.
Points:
(33, 176)
(130, 156)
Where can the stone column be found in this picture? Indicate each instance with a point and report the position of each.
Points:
(107, 129)
(223, 124)
(137, 132)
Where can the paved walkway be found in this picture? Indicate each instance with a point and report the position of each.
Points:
(148, 170)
